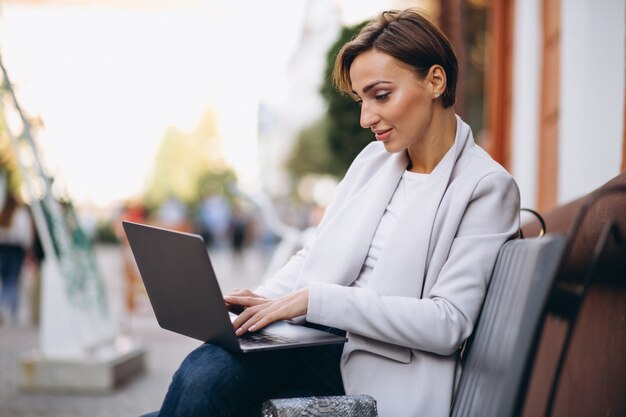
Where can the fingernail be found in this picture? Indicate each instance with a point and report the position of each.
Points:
(252, 328)
(239, 331)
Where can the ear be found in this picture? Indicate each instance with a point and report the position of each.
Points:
(437, 80)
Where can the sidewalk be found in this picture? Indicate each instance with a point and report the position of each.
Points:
(165, 349)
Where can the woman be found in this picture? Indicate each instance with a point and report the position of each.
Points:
(401, 259)
(16, 238)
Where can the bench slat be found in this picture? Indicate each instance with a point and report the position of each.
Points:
(497, 357)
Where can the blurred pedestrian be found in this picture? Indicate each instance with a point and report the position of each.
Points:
(135, 212)
(172, 214)
(35, 261)
(16, 238)
(215, 218)
(238, 229)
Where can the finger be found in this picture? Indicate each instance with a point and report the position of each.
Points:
(248, 317)
(259, 316)
(258, 321)
(229, 303)
(243, 317)
(242, 292)
(263, 322)
(244, 300)
(267, 315)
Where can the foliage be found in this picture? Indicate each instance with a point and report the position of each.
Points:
(188, 164)
(311, 153)
(8, 162)
(345, 136)
(330, 145)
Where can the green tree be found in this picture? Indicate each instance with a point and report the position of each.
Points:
(187, 163)
(311, 153)
(330, 145)
(345, 137)
(8, 162)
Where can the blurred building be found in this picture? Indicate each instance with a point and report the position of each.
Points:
(280, 121)
(554, 91)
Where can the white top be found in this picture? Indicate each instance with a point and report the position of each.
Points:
(20, 231)
(407, 186)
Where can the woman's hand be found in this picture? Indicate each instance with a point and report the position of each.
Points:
(259, 311)
(239, 292)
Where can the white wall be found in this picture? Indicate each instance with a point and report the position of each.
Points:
(526, 98)
(591, 124)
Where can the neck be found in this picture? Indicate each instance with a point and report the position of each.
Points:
(425, 155)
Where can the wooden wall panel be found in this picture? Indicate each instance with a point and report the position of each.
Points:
(499, 80)
(547, 187)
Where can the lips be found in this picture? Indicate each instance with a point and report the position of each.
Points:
(382, 135)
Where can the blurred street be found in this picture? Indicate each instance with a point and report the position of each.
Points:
(165, 349)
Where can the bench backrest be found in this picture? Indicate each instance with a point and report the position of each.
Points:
(496, 360)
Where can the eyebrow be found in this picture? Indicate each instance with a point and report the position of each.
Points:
(372, 85)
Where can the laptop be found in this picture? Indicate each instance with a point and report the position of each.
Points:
(186, 297)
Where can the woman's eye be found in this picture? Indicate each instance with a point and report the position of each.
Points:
(382, 97)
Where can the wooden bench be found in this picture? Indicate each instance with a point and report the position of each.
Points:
(580, 367)
(495, 359)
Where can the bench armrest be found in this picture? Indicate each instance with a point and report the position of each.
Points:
(340, 406)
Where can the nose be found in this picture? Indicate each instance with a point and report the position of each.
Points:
(368, 117)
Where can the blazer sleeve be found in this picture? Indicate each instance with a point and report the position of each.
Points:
(445, 317)
(285, 280)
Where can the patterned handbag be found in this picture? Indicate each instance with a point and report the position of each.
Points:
(336, 406)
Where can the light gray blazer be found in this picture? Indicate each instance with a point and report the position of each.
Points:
(428, 285)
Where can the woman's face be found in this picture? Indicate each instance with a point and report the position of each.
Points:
(395, 104)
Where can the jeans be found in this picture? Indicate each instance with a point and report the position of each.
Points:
(11, 260)
(214, 382)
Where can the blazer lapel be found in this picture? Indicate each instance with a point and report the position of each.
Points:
(340, 248)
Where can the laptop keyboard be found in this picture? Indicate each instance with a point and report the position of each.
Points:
(256, 339)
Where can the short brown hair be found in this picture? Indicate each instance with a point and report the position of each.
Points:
(408, 36)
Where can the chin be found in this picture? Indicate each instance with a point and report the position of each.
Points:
(392, 148)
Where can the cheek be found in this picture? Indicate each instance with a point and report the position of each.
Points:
(409, 113)
(399, 110)
(418, 108)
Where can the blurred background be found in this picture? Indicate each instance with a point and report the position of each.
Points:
(219, 118)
